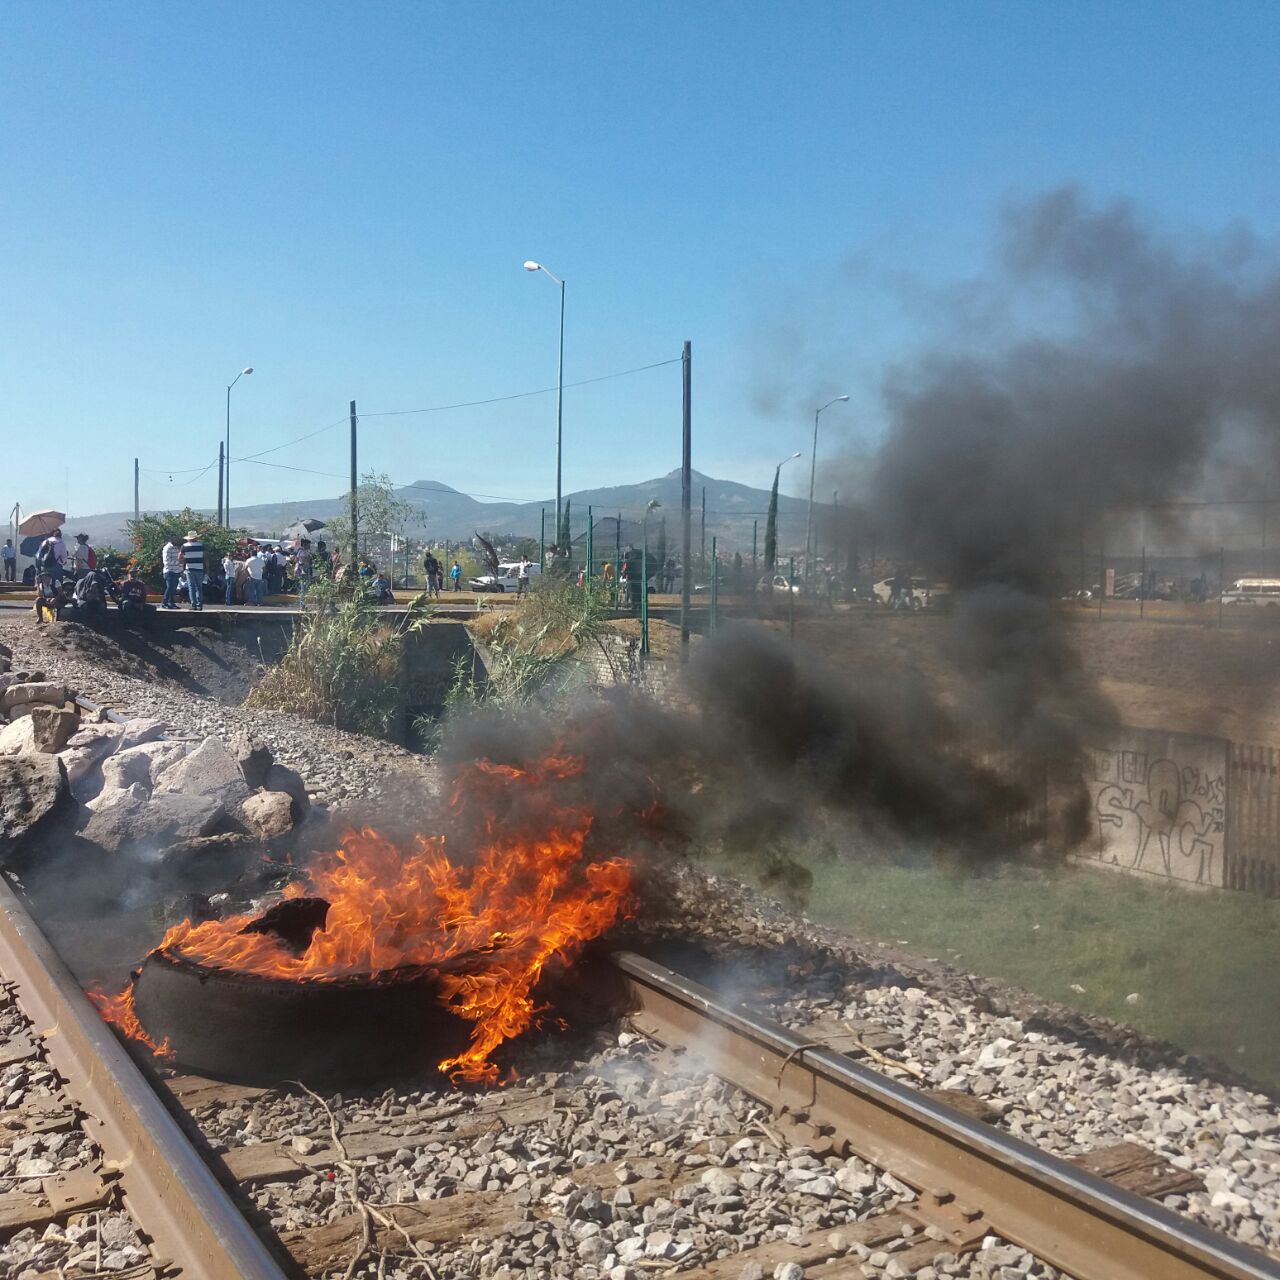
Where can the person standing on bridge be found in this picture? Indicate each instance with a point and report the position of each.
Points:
(171, 567)
(10, 558)
(256, 567)
(229, 566)
(193, 558)
(456, 574)
(83, 557)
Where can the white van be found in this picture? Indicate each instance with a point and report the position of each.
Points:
(506, 579)
(1253, 591)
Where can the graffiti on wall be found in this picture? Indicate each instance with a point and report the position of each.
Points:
(1159, 805)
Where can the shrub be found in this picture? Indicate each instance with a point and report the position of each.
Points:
(527, 645)
(342, 664)
(152, 531)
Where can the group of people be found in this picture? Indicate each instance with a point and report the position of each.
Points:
(247, 576)
(71, 580)
(436, 575)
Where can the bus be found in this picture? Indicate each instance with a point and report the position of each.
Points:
(1253, 591)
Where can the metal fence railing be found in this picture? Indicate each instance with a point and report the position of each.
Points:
(1253, 819)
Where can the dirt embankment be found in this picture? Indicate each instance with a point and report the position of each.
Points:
(191, 660)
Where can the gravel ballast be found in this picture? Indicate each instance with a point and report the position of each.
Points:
(646, 1118)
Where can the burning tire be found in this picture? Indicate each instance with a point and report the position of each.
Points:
(258, 1030)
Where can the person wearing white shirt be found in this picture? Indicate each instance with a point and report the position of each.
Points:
(171, 564)
(256, 566)
(229, 567)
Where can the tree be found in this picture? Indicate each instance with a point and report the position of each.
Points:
(488, 552)
(379, 512)
(152, 531)
(771, 527)
(564, 538)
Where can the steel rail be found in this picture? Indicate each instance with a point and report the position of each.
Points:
(1065, 1216)
(198, 1232)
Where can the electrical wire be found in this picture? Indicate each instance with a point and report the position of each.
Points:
(522, 395)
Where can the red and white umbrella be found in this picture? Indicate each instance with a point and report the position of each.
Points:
(40, 523)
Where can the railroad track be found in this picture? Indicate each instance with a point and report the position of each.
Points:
(968, 1181)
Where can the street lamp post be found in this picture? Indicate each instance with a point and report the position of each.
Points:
(813, 473)
(773, 510)
(537, 266)
(226, 491)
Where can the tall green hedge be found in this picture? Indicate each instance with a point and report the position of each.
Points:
(152, 531)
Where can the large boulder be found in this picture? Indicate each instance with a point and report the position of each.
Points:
(281, 778)
(207, 864)
(134, 733)
(210, 770)
(33, 691)
(141, 765)
(33, 788)
(128, 819)
(103, 737)
(253, 757)
(54, 726)
(84, 754)
(18, 738)
(269, 814)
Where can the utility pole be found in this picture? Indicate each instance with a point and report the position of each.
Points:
(686, 497)
(221, 459)
(137, 514)
(354, 562)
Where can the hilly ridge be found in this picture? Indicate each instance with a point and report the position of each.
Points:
(449, 513)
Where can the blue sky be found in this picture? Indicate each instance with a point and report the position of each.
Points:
(342, 196)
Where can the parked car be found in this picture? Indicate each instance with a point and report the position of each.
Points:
(778, 582)
(924, 594)
(506, 579)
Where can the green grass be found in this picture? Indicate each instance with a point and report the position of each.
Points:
(1206, 965)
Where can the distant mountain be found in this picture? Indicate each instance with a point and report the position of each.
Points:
(731, 509)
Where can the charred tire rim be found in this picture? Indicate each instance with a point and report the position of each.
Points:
(258, 1030)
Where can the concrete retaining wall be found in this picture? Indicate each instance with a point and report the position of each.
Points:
(618, 660)
(1159, 804)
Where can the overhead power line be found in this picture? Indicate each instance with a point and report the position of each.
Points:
(521, 395)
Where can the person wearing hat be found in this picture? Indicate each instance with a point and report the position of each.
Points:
(83, 557)
(193, 560)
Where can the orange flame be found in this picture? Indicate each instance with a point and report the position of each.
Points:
(119, 1011)
(528, 894)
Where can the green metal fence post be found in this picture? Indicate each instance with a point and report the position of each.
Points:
(791, 597)
(617, 563)
(644, 599)
(755, 536)
(591, 528)
(715, 584)
(542, 542)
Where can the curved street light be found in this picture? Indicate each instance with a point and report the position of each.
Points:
(226, 491)
(813, 472)
(537, 266)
